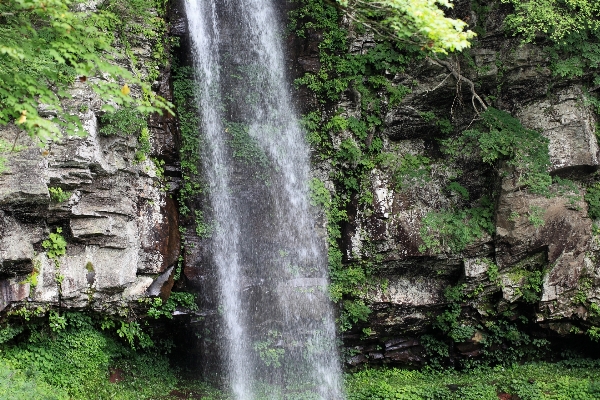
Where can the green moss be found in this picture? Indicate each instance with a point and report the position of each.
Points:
(184, 97)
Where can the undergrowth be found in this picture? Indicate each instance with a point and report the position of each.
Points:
(76, 355)
(574, 379)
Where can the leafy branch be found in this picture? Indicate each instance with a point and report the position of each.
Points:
(417, 22)
(44, 48)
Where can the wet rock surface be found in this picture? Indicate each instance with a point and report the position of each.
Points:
(123, 236)
(546, 235)
(117, 215)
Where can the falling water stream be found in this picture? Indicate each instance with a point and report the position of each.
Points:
(279, 332)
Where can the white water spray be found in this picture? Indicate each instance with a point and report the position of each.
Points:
(279, 328)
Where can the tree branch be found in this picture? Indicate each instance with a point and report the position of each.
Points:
(460, 78)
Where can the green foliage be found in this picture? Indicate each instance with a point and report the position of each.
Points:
(557, 19)
(456, 229)
(594, 333)
(531, 288)
(421, 22)
(9, 332)
(502, 138)
(503, 339)
(16, 385)
(319, 195)
(32, 278)
(55, 245)
(268, 351)
(159, 309)
(354, 311)
(27, 313)
(349, 153)
(455, 187)
(5, 147)
(145, 146)
(411, 170)
(368, 75)
(569, 189)
(203, 229)
(535, 216)
(125, 121)
(592, 197)
(184, 96)
(492, 271)
(56, 321)
(436, 350)
(45, 46)
(73, 360)
(57, 195)
(133, 333)
(572, 29)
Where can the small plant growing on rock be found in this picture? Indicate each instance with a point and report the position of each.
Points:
(55, 245)
(57, 195)
(144, 145)
(123, 122)
(592, 197)
(536, 215)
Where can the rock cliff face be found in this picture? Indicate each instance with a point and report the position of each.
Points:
(118, 217)
(560, 247)
(540, 261)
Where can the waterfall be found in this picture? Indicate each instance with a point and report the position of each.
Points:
(279, 332)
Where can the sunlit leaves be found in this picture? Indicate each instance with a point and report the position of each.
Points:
(125, 90)
(419, 21)
(557, 19)
(45, 47)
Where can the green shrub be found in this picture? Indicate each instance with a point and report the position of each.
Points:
(592, 197)
(16, 385)
(57, 195)
(145, 146)
(124, 121)
(501, 137)
(73, 362)
(456, 229)
(55, 245)
(531, 381)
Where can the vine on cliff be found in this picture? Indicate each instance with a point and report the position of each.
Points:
(368, 77)
(497, 138)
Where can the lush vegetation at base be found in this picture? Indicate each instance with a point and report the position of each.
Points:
(81, 356)
(576, 379)
(79, 362)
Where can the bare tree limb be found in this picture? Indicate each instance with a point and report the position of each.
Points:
(460, 78)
